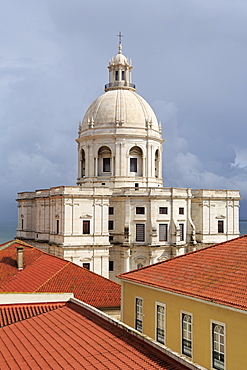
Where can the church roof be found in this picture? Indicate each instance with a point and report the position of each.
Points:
(44, 272)
(217, 274)
(71, 336)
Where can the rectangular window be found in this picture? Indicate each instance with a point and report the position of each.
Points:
(57, 227)
(111, 238)
(140, 210)
(140, 232)
(111, 211)
(22, 224)
(86, 265)
(116, 76)
(110, 225)
(181, 210)
(187, 334)
(86, 227)
(122, 75)
(133, 164)
(163, 210)
(163, 232)
(220, 227)
(218, 346)
(181, 232)
(106, 164)
(111, 265)
(160, 322)
(139, 314)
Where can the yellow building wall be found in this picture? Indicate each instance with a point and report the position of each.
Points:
(202, 312)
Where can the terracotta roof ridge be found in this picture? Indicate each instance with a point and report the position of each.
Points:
(51, 277)
(182, 256)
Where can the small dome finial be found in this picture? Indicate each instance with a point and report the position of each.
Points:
(120, 36)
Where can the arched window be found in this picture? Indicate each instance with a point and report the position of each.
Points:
(186, 334)
(157, 163)
(83, 162)
(218, 346)
(135, 155)
(104, 156)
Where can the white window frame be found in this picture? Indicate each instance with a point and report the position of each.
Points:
(141, 315)
(182, 312)
(215, 322)
(160, 304)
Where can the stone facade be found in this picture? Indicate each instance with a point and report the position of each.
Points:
(119, 216)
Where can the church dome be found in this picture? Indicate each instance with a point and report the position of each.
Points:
(120, 107)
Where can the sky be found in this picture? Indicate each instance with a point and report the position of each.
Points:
(189, 62)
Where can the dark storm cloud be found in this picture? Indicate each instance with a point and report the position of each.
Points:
(189, 63)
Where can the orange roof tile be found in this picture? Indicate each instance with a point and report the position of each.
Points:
(44, 272)
(217, 273)
(10, 313)
(71, 337)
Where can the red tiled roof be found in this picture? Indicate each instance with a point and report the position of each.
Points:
(71, 337)
(217, 273)
(9, 314)
(44, 272)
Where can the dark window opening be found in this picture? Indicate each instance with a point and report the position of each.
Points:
(111, 265)
(86, 227)
(111, 211)
(106, 164)
(110, 238)
(122, 75)
(220, 227)
(163, 210)
(181, 210)
(140, 232)
(57, 226)
(110, 225)
(140, 210)
(22, 224)
(116, 75)
(86, 265)
(133, 164)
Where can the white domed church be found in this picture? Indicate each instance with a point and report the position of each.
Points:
(119, 216)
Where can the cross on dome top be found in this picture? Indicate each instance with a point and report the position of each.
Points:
(120, 36)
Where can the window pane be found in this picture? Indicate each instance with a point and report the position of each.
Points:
(218, 347)
(111, 211)
(181, 230)
(86, 227)
(181, 210)
(133, 164)
(186, 335)
(140, 210)
(163, 232)
(220, 226)
(140, 232)
(106, 164)
(86, 266)
(139, 314)
(163, 210)
(111, 265)
(110, 225)
(160, 324)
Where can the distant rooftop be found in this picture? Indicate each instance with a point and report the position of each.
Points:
(44, 272)
(217, 273)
